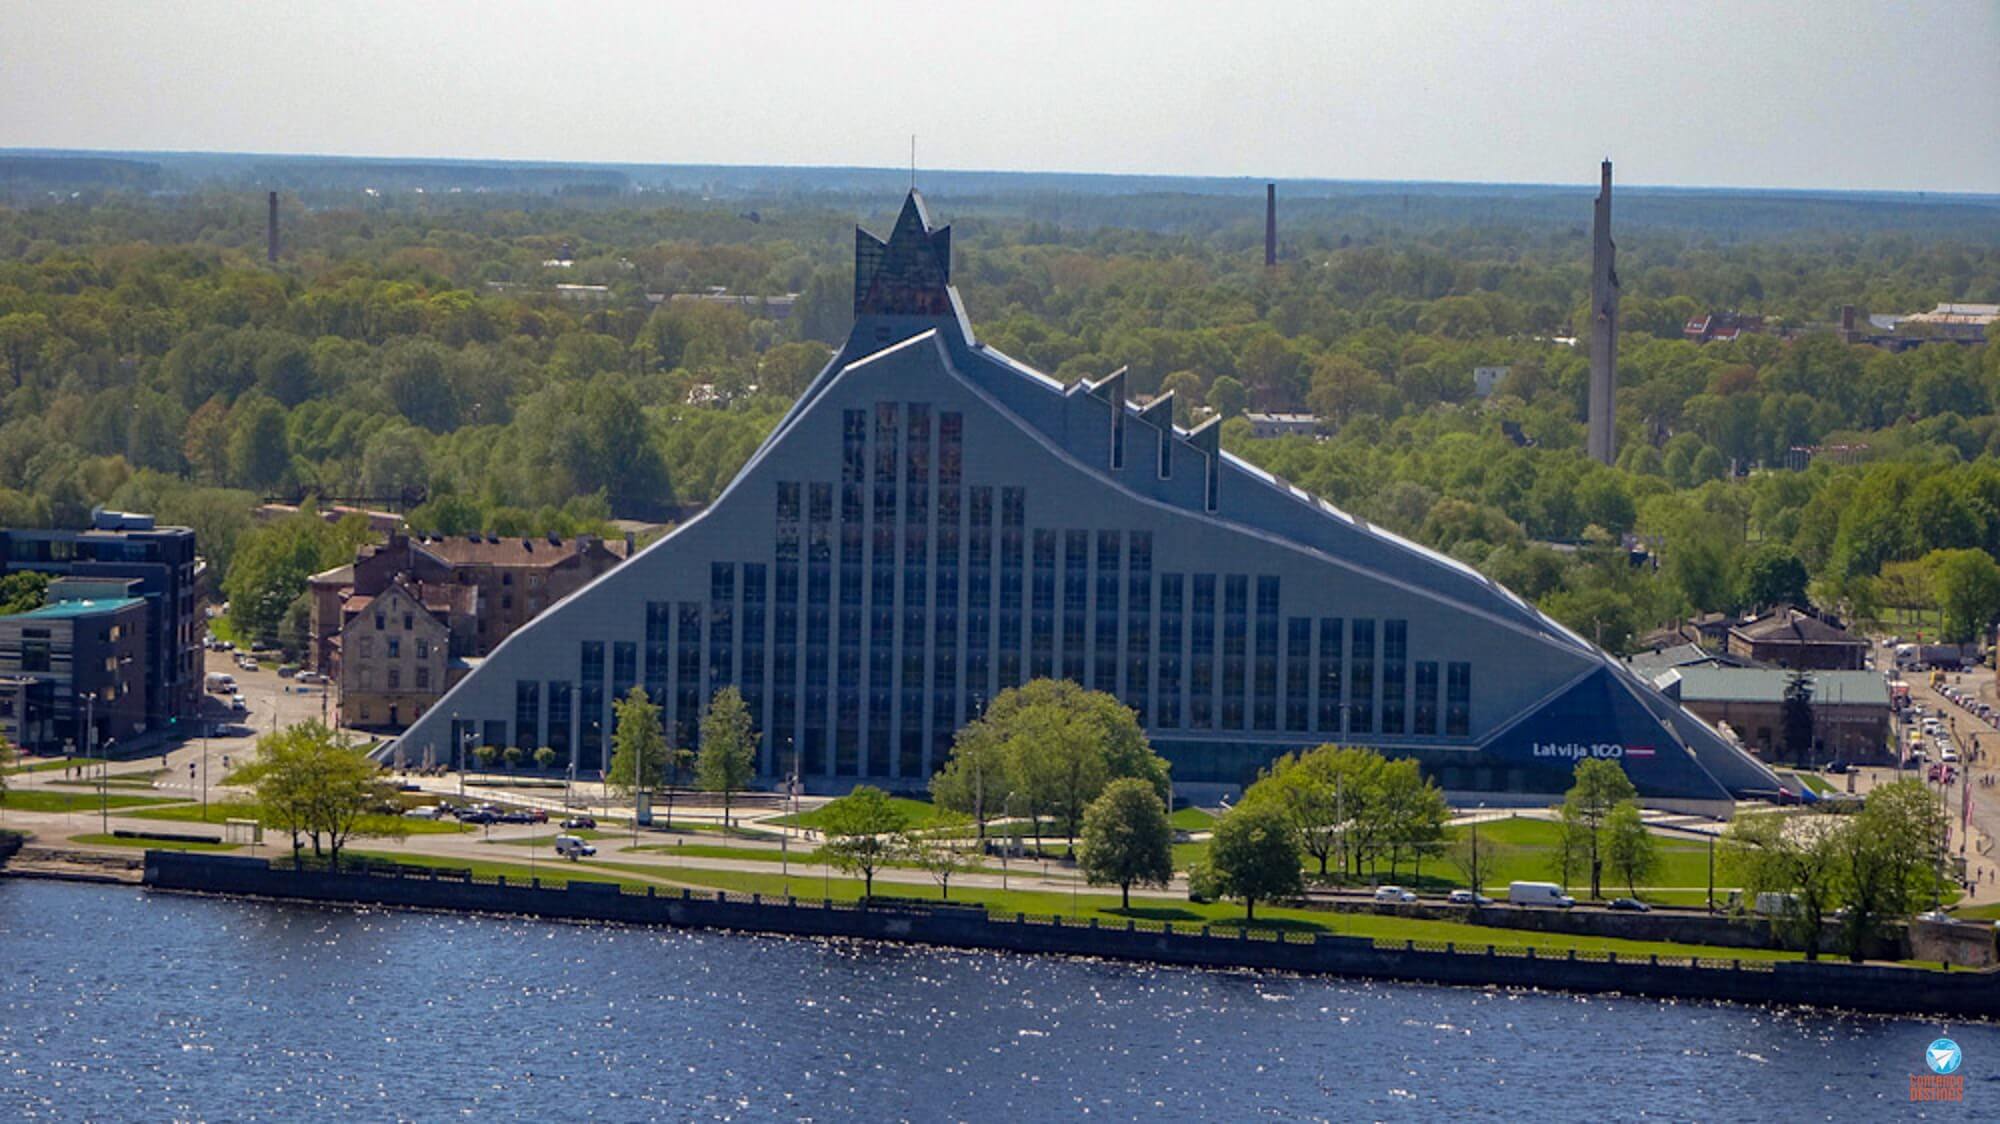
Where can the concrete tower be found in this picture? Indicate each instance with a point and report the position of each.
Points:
(1603, 329)
(1270, 225)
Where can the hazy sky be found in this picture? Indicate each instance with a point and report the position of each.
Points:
(1833, 94)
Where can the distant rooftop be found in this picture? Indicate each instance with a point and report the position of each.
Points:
(65, 609)
(1767, 685)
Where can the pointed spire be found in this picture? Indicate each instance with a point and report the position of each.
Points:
(908, 275)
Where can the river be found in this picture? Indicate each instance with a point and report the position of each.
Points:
(119, 1004)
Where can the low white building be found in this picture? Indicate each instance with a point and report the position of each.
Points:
(1282, 425)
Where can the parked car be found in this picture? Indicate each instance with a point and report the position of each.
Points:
(579, 823)
(425, 813)
(1467, 897)
(1394, 894)
(1629, 905)
(477, 817)
(516, 817)
(1837, 768)
(237, 704)
(573, 848)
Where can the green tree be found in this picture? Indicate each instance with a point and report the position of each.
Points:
(545, 758)
(22, 591)
(938, 851)
(259, 456)
(1967, 587)
(1127, 839)
(1891, 859)
(1795, 858)
(314, 782)
(1601, 784)
(486, 755)
(1629, 846)
(638, 746)
(728, 756)
(974, 781)
(861, 830)
(1774, 575)
(1255, 856)
(514, 755)
(1796, 718)
(1227, 397)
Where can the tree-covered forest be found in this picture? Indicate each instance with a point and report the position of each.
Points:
(415, 346)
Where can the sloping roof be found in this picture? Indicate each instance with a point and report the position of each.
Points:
(339, 575)
(494, 550)
(1767, 685)
(1793, 627)
(1651, 664)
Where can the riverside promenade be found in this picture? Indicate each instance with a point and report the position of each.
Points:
(1871, 988)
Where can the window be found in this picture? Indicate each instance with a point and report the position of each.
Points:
(1298, 673)
(1076, 601)
(1361, 679)
(1013, 515)
(687, 674)
(1426, 711)
(1458, 700)
(590, 705)
(395, 678)
(395, 647)
(1395, 666)
(380, 622)
(1201, 654)
(1235, 629)
(1264, 713)
(1139, 626)
(721, 623)
(1170, 650)
(527, 714)
(1330, 630)
(423, 678)
(1104, 673)
(559, 719)
(423, 648)
(659, 652)
(1041, 643)
(409, 621)
(367, 678)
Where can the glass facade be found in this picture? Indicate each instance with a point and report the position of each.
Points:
(898, 600)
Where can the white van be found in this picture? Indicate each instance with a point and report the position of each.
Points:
(1538, 893)
(573, 848)
(219, 683)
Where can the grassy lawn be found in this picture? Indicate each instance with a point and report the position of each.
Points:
(919, 812)
(47, 766)
(1188, 854)
(1978, 913)
(42, 800)
(1815, 782)
(549, 840)
(138, 782)
(1104, 907)
(97, 840)
(557, 873)
(220, 811)
(1192, 819)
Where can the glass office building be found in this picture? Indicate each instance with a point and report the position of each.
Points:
(933, 523)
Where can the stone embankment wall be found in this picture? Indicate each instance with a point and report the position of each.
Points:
(1661, 925)
(1827, 984)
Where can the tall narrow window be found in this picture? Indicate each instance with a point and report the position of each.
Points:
(1458, 700)
(1235, 636)
(527, 714)
(751, 668)
(559, 720)
(1298, 673)
(1013, 520)
(1042, 642)
(1264, 712)
(1330, 667)
(853, 566)
(687, 675)
(660, 655)
(978, 602)
(1076, 601)
(1426, 709)
(1139, 626)
(882, 592)
(590, 725)
(1110, 576)
(1170, 649)
(1201, 654)
(1395, 667)
(819, 629)
(1361, 679)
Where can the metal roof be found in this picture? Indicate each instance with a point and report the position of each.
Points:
(1767, 685)
(65, 609)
